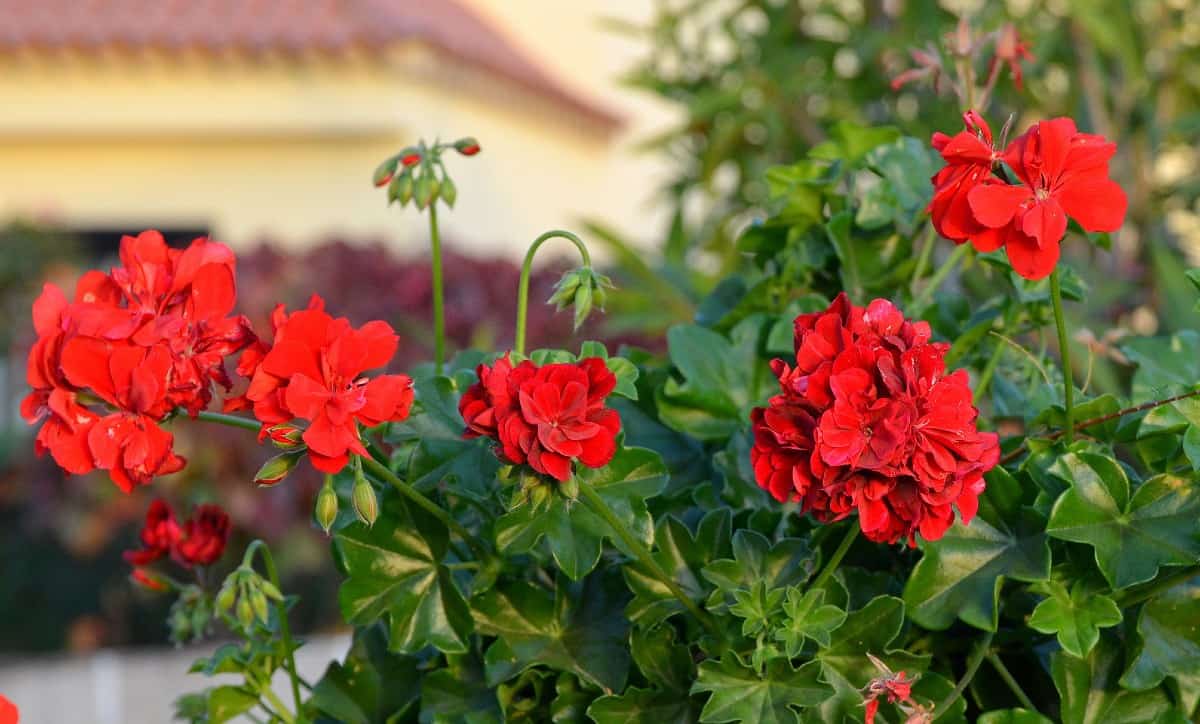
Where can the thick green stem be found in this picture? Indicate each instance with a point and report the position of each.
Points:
(643, 555)
(923, 259)
(526, 268)
(989, 371)
(280, 710)
(1010, 681)
(382, 472)
(221, 418)
(973, 663)
(285, 633)
(940, 275)
(836, 559)
(1064, 351)
(439, 298)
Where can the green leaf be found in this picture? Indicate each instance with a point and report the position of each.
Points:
(1168, 638)
(871, 629)
(1165, 364)
(851, 142)
(1075, 616)
(227, 702)
(1013, 716)
(371, 685)
(578, 627)
(571, 530)
(714, 398)
(786, 563)
(682, 557)
(739, 694)
(1090, 693)
(1132, 535)
(395, 570)
(458, 694)
(642, 706)
(808, 617)
(961, 574)
(661, 659)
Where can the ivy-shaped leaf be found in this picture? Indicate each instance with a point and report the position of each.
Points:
(371, 686)
(1159, 524)
(718, 388)
(572, 531)
(662, 660)
(682, 556)
(739, 694)
(1091, 694)
(871, 629)
(1168, 638)
(642, 706)
(458, 694)
(394, 569)
(960, 575)
(808, 617)
(1075, 616)
(579, 627)
(786, 563)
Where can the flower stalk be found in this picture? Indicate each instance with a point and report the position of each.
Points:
(526, 268)
(1064, 350)
(258, 546)
(836, 559)
(643, 555)
(439, 295)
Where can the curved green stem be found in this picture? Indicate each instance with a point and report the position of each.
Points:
(923, 259)
(439, 313)
(643, 555)
(280, 710)
(221, 418)
(526, 267)
(258, 546)
(1064, 351)
(1010, 681)
(940, 275)
(382, 472)
(836, 559)
(989, 371)
(973, 663)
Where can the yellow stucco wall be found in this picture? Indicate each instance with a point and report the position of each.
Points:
(284, 147)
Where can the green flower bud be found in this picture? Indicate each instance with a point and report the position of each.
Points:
(327, 507)
(366, 506)
(583, 303)
(385, 170)
(270, 591)
(449, 192)
(226, 598)
(277, 468)
(245, 613)
(258, 601)
(423, 191)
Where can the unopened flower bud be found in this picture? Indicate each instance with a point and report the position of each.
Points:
(326, 509)
(245, 613)
(423, 191)
(366, 506)
(449, 192)
(148, 581)
(258, 601)
(270, 590)
(385, 170)
(277, 468)
(467, 146)
(226, 598)
(410, 157)
(287, 437)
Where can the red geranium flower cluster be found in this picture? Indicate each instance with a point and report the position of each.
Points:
(313, 371)
(547, 416)
(134, 345)
(1060, 173)
(868, 421)
(200, 541)
(896, 687)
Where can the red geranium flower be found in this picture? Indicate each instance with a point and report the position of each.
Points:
(159, 535)
(969, 157)
(868, 422)
(546, 417)
(313, 372)
(1065, 173)
(204, 537)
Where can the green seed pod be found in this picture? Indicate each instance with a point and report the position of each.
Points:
(327, 508)
(366, 506)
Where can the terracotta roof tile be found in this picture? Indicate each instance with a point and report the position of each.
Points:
(279, 25)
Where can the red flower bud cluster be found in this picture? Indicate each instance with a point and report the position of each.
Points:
(200, 541)
(868, 421)
(545, 416)
(896, 688)
(131, 347)
(1060, 173)
(313, 371)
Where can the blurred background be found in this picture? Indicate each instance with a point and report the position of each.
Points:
(645, 125)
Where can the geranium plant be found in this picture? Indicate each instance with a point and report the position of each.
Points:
(850, 491)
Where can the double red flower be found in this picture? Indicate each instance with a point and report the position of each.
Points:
(868, 422)
(198, 542)
(1060, 172)
(547, 416)
(135, 344)
(313, 371)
